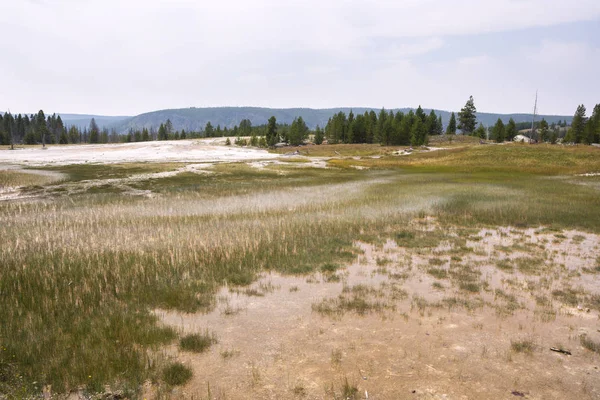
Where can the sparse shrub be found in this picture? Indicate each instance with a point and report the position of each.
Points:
(176, 374)
(349, 391)
(438, 273)
(472, 287)
(299, 390)
(522, 346)
(197, 342)
(590, 344)
(329, 267)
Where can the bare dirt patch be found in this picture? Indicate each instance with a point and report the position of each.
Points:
(390, 329)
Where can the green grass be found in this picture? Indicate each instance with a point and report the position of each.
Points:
(82, 274)
(82, 172)
(197, 342)
(176, 374)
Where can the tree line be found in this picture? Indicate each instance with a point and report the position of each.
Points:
(386, 128)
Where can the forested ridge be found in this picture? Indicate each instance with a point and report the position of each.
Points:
(387, 127)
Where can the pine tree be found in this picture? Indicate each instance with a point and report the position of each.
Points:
(145, 135)
(94, 131)
(431, 123)
(404, 134)
(74, 134)
(169, 128)
(498, 132)
(451, 128)
(272, 136)
(372, 126)
(419, 113)
(245, 127)
(467, 118)
(592, 128)
(380, 122)
(298, 132)
(544, 131)
(162, 132)
(439, 127)
(578, 125)
(319, 135)
(183, 134)
(387, 131)
(480, 132)
(418, 133)
(209, 131)
(511, 130)
(41, 127)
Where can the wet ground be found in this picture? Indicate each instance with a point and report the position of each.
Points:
(392, 326)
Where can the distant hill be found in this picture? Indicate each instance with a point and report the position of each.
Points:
(83, 120)
(195, 119)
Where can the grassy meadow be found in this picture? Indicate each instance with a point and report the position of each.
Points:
(81, 273)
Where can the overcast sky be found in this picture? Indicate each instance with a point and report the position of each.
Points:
(125, 57)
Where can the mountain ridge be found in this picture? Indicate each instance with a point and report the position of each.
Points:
(195, 118)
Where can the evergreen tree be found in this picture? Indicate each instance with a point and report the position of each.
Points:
(467, 118)
(298, 132)
(396, 138)
(209, 131)
(418, 133)
(169, 128)
(41, 127)
(405, 128)
(431, 123)
(592, 128)
(544, 131)
(245, 127)
(380, 122)
(319, 135)
(371, 126)
(183, 134)
(162, 132)
(480, 132)
(421, 115)
(554, 136)
(145, 135)
(94, 131)
(511, 130)
(63, 139)
(387, 131)
(272, 136)
(498, 132)
(439, 127)
(359, 129)
(451, 128)
(74, 134)
(578, 125)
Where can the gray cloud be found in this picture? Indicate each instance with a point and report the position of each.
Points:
(119, 57)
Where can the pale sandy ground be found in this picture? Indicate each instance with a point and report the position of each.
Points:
(201, 150)
(280, 348)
